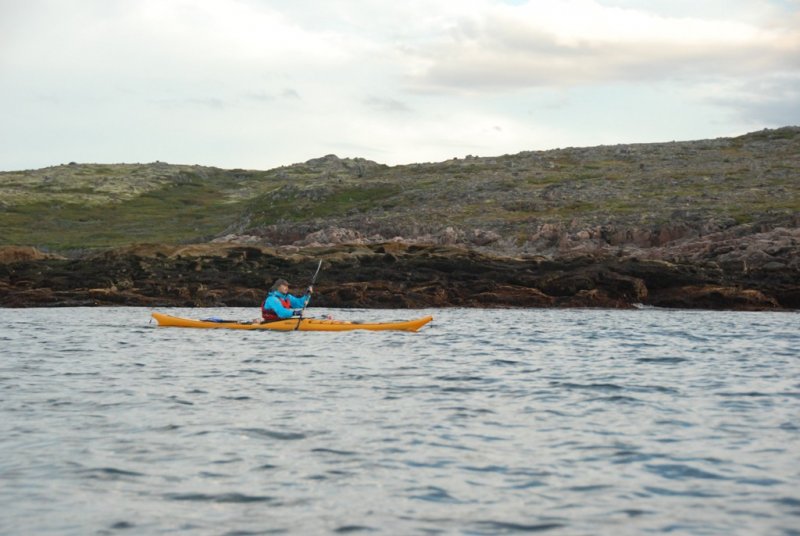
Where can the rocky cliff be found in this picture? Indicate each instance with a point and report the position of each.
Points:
(393, 275)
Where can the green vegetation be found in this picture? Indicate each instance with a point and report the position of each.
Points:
(173, 214)
(290, 205)
(95, 206)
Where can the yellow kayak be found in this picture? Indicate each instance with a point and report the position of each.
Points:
(291, 324)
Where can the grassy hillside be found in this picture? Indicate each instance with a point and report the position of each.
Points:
(80, 206)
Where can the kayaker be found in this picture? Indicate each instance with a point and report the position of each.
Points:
(280, 304)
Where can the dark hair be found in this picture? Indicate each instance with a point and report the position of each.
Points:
(279, 282)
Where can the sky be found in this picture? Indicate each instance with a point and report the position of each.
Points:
(258, 84)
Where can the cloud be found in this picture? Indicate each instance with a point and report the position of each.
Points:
(386, 105)
(212, 103)
(576, 42)
(267, 97)
(772, 100)
(260, 83)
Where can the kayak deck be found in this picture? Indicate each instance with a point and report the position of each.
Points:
(291, 324)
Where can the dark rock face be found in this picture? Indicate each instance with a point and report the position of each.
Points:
(714, 297)
(394, 275)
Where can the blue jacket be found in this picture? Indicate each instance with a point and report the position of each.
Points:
(273, 303)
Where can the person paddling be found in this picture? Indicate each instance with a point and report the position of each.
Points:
(279, 304)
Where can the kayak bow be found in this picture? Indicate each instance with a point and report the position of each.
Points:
(291, 324)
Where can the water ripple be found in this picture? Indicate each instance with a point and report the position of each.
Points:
(219, 498)
(108, 473)
(273, 434)
(680, 472)
(485, 422)
(505, 527)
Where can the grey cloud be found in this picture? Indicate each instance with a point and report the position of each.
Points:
(776, 112)
(386, 105)
(507, 54)
(342, 147)
(774, 101)
(260, 96)
(213, 103)
(567, 67)
(263, 96)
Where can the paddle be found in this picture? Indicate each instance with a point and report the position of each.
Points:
(313, 280)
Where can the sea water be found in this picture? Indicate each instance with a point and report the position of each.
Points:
(484, 422)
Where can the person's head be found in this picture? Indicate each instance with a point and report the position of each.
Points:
(281, 285)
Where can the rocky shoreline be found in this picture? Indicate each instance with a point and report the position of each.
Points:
(720, 274)
(698, 224)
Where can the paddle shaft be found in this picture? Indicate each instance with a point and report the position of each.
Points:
(313, 280)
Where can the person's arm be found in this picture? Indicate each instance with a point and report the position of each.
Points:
(275, 304)
(298, 302)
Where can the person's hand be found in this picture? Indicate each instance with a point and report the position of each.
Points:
(309, 290)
